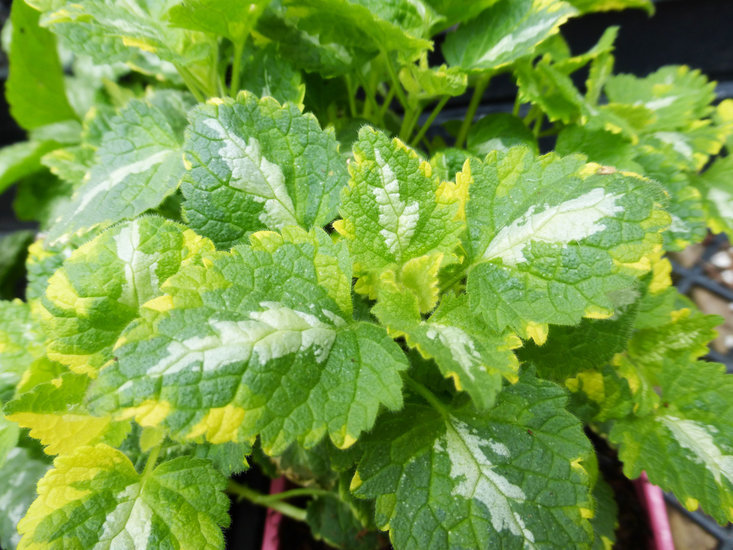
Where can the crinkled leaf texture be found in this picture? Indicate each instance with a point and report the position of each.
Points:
(553, 240)
(260, 341)
(138, 164)
(686, 444)
(255, 164)
(514, 477)
(94, 498)
(100, 288)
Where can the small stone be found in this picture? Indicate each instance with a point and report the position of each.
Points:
(722, 259)
(727, 276)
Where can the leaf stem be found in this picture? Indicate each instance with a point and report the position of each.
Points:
(396, 85)
(273, 501)
(152, 459)
(478, 94)
(191, 83)
(426, 126)
(236, 68)
(408, 123)
(517, 105)
(426, 394)
(386, 104)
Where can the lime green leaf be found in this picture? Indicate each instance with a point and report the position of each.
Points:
(256, 343)
(102, 285)
(504, 32)
(399, 26)
(515, 477)
(599, 146)
(550, 88)
(178, 504)
(70, 163)
(587, 6)
(448, 162)
(676, 95)
(254, 164)
(552, 240)
(394, 212)
(685, 445)
(35, 88)
(20, 160)
(499, 132)
(425, 83)
(55, 413)
(228, 18)
(18, 478)
(138, 164)
(462, 345)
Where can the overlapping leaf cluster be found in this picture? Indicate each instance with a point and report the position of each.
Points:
(239, 262)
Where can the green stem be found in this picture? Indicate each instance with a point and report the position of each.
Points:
(408, 123)
(152, 459)
(387, 102)
(351, 92)
(242, 491)
(538, 124)
(371, 103)
(517, 105)
(478, 93)
(426, 394)
(396, 82)
(236, 68)
(429, 121)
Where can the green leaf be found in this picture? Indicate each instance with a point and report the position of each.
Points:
(599, 146)
(9, 434)
(424, 83)
(18, 478)
(499, 132)
(685, 445)
(604, 519)
(21, 342)
(716, 187)
(269, 74)
(227, 18)
(101, 287)
(13, 251)
(513, 477)
(21, 160)
(462, 345)
(333, 521)
(259, 342)
(39, 197)
(396, 216)
(457, 11)
(398, 26)
(35, 88)
(95, 497)
(553, 240)
(138, 165)
(56, 415)
(254, 164)
(505, 32)
(675, 94)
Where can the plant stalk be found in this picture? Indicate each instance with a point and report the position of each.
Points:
(426, 126)
(274, 501)
(236, 68)
(426, 394)
(478, 94)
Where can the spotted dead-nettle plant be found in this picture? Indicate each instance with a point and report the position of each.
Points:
(261, 244)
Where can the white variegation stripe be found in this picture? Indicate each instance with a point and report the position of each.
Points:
(275, 332)
(257, 176)
(129, 525)
(678, 142)
(398, 219)
(477, 480)
(660, 103)
(723, 201)
(141, 281)
(698, 438)
(115, 178)
(461, 346)
(572, 220)
(512, 41)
